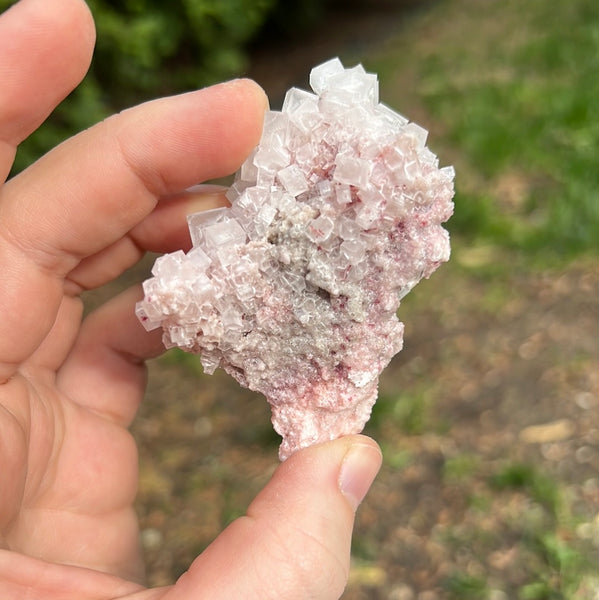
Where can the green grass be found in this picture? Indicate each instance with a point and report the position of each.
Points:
(538, 524)
(525, 476)
(466, 587)
(515, 103)
(409, 411)
(557, 566)
(461, 467)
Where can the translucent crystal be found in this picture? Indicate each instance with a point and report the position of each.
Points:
(389, 115)
(353, 250)
(293, 180)
(294, 289)
(226, 233)
(197, 222)
(419, 134)
(294, 98)
(320, 229)
(351, 171)
(197, 257)
(148, 316)
(343, 194)
(167, 267)
(271, 158)
(321, 75)
(355, 82)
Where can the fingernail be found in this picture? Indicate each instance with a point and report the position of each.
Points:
(358, 470)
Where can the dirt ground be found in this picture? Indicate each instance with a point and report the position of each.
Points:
(499, 372)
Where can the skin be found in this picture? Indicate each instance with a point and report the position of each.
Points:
(70, 388)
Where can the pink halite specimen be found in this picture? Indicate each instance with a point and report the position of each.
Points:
(294, 289)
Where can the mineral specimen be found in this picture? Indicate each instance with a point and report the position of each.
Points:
(294, 289)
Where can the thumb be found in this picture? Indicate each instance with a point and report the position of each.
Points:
(294, 542)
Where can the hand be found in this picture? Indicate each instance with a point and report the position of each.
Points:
(69, 389)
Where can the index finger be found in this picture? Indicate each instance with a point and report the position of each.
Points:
(40, 42)
(94, 188)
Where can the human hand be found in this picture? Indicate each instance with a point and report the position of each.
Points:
(70, 388)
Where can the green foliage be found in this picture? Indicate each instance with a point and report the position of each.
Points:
(148, 47)
(411, 413)
(477, 216)
(290, 18)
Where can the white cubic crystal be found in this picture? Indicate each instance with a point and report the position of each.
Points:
(321, 75)
(353, 250)
(294, 98)
(197, 222)
(351, 170)
(355, 82)
(419, 134)
(167, 267)
(320, 229)
(149, 316)
(391, 117)
(343, 194)
(306, 117)
(271, 157)
(249, 171)
(197, 257)
(293, 180)
(225, 233)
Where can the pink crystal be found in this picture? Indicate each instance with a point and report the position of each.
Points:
(294, 289)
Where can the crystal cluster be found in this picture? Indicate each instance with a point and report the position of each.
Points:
(294, 289)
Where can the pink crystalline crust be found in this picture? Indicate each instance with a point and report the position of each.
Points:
(294, 289)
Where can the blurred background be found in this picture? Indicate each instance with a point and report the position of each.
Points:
(489, 417)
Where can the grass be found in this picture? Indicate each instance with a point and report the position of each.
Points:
(461, 467)
(511, 89)
(538, 530)
(408, 412)
(525, 476)
(468, 587)
(561, 564)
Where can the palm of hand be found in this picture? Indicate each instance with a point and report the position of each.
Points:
(70, 388)
(70, 475)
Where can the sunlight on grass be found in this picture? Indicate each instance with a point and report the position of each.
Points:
(537, 535)
(516, 103)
